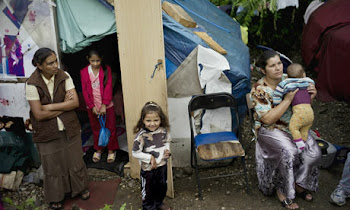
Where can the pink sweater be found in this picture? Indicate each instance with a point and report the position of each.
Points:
(106, 92)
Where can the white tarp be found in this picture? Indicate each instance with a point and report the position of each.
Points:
(211, 76)
(12, 100)
(281, 4)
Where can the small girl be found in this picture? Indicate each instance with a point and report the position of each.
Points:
(96, 81)
(151, 147)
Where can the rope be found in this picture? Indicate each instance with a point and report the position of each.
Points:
(155, 68)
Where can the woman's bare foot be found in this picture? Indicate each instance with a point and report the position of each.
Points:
(303, 193)
(289, 204)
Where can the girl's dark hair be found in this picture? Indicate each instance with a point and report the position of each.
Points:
(104, 68)
(150, 107)
(41, 55)
(266, 55)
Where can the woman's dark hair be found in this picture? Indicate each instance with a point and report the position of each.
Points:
(148, 108)
(104, 68)
(266, 55)
(41, 55)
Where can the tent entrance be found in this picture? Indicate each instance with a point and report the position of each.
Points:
(74, 62)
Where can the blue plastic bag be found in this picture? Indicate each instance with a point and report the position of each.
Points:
(103, 138)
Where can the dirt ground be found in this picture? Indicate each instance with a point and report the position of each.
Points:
(332, 121)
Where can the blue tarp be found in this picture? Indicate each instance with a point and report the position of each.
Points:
(179, 41)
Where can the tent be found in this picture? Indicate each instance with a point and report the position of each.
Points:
(180, 41)
(187, 61)
(76, 33)
(326, 49)
(181, 44)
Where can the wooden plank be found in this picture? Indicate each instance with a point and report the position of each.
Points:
(179, 14)
(210, 41)
(141, 47)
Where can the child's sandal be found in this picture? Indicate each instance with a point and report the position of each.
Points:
(96, 157)
(85, 195)
(56, 205)
(111, 157)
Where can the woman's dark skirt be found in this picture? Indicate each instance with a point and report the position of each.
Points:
(64, 167)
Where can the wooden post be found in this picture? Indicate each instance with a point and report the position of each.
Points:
(141, 47)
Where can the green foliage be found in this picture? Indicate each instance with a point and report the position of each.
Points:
(280, 30)
(123, 207)
(221, 2)
(107, 207)
(27, 204)
(8, 201)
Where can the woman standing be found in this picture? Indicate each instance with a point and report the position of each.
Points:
(56, 130)
(280, 168)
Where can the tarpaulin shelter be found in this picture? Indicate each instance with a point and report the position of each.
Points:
(185, 66)
(326, 49)
(77, 32)
(179, 42)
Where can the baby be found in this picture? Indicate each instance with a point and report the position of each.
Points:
(303, 115)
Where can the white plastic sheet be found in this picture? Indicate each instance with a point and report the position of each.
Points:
(211, 76)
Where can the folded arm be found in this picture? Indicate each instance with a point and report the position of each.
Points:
(39, 113)
(70, 102)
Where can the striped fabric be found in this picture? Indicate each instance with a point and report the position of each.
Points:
(288, 85)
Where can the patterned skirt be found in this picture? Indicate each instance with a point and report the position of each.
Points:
(64, 167)
(279, 166)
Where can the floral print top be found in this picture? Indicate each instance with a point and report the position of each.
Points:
(262, 99)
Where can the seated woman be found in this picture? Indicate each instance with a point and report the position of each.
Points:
(280, 167)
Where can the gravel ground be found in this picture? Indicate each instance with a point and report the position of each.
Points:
(332, 121)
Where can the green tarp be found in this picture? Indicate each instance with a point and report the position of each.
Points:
(17, 153)
(81, 22)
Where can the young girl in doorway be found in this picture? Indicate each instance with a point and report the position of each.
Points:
(96, 81)
(151, 147)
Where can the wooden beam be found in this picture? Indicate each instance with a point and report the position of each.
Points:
(141, 47)
(179, 14)
(210, 41)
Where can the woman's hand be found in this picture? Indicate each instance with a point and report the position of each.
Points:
(274, 114)
(103, 109)
(312, 91)
(95, 111)
(289, 96)
(69, 95)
